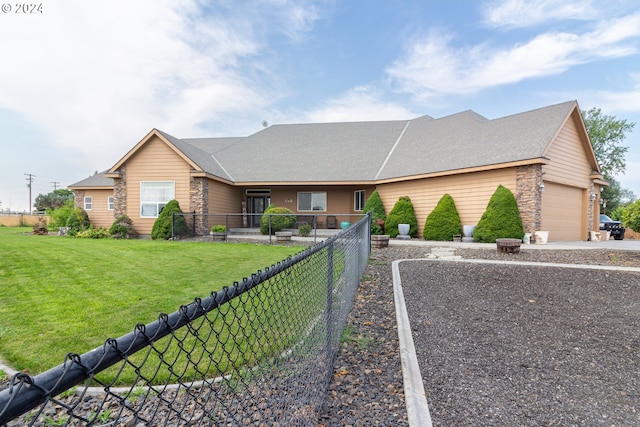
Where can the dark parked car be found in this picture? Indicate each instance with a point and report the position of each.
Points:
(614, 227)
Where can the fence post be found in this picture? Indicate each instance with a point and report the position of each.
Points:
(173, 226)
(330, 302)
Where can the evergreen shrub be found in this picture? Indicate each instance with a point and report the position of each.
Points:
(162, 227)
(443, 222)
(631, 216)
(501, 219)
(78, 221)
(121, 227)
(280, 218)
(378, 216)
(402, 213)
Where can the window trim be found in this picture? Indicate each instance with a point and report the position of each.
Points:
(87, 202)
(359, 198)
(312, 209)
(159, 205)
(111, 203)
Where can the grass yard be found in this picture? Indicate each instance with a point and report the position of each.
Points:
(61, 295)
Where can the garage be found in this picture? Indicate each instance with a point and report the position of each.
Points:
(563, 212)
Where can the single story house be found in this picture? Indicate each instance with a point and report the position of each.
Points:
(543, 156)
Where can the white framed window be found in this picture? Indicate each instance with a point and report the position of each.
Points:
(154, 195)
(312, 201)
(111, 203)
(359, 200)
(88, 203)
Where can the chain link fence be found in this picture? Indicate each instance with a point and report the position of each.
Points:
(257, 353)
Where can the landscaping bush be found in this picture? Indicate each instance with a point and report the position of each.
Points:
(402, 213)
(631, 216)
(378, 216)
(501, 219)
(59, 216)
(77, 221)
(219, 229)
(121, 227)
(162, 227)
(280, 218)
(94, 233)
(443, 222)
(304, 230)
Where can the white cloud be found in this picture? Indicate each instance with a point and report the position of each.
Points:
(359, 104)
(529, 13)
(435, 66)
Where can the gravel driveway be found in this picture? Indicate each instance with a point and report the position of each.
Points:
(498, 345)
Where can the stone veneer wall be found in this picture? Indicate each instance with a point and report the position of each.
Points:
(78, 198)
(199, 203)
(529, 196)
(591, 223)
(120, 193)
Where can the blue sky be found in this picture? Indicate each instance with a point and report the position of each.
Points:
(82, 82)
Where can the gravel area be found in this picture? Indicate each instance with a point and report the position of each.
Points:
(497, 345)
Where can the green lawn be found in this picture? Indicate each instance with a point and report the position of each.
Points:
(61, 294)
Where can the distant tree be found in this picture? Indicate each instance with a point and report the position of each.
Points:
(631, 216)
(607, 135)
(53, 200)
(614, 196)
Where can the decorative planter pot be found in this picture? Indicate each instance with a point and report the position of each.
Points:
(457, 238)
(508, 246)
(541, 237)
(403, 229)
(283, 236)
(379, 241)
(218, 236)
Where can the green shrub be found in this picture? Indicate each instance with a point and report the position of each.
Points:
(501, 219)
(378, 216)
(631, 216)
(94, 233)
(121, 227)
(443, 222)
(162, 227)
(304, 230)
(219, 229)
(77, 221)
(60, 215)
(280, 218)
(402, 213)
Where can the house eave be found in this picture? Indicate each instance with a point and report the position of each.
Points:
(483, 168)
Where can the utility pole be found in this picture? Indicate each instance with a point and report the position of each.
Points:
(55, 185)
(30, 178)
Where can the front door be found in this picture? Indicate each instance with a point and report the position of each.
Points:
(257, 206)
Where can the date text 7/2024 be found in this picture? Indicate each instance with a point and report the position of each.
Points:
(21, 8)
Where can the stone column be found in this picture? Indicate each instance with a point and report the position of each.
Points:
(120, 193)
(199, 203)
(529, 196)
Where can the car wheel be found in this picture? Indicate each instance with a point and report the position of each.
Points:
(619, 236)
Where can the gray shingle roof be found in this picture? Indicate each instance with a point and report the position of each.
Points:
(97, 180)
(369, 151)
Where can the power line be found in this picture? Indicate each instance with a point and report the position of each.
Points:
(30, 178)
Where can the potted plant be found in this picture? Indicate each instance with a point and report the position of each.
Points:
(218, 232)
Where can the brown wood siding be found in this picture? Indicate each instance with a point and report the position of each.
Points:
(568, 162)
(99, 215)
(471, 193)
(224, 199)
(155, 161)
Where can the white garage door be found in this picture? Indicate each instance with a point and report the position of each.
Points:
(563, 212)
